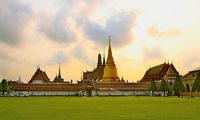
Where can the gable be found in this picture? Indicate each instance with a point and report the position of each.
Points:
(40, 76)
(171, 71)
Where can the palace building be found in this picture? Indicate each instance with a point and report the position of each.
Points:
(163, 71)
(39, 77)
(189, 78)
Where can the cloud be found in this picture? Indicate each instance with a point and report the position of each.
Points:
(80, 53)
(56, 28)
(58, 58)
(154, 31)
(119, 26)
(191, 59)
(15, 18)
(152, 53)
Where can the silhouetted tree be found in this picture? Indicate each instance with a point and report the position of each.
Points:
(178, 85)
(5, 87)
(163, 86)
(0, 87)
(152, 87)
(196, 84)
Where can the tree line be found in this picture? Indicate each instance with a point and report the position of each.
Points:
(178, 86)
(4, 87)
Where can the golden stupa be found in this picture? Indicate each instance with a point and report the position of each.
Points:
(110, 70)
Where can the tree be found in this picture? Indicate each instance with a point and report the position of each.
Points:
(5, 87)
(0, 87)
(164, 86)
(178, 85)
(152, 87)
(196, 84)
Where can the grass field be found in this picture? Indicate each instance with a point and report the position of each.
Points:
(99, 108)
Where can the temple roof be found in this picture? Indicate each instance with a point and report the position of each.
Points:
(196, 69)
(157, 72)
(47, 87)
(40, 75)
(88, 75)
(80, 86)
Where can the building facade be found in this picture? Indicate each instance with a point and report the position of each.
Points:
(189, 78)
(82, 88)
(163, 71)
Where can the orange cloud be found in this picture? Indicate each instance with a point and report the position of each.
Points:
(154, 31)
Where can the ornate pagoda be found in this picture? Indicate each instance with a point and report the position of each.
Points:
(110, 70)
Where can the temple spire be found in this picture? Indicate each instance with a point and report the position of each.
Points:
(110, 70)
(110, 57)
(59, 74)
(99, 60)
(104, 61)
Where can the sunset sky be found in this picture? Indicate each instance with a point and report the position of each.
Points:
(144, 33)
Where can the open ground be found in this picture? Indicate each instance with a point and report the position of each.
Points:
(99, 108)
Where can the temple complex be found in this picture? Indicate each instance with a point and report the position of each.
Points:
(105, 71)
(101, 81)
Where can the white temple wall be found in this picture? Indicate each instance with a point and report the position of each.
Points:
(83, 93)
(121, 93)
(48, 93)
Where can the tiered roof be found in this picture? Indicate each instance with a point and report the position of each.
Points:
(40, 75)
(79, 86)
(47, 87)
(157, 72)
(195, 70)
(89, 75)
(122, 86)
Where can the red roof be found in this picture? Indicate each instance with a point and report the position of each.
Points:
(88, 75)
(49, 87)
(157, 72)
(123, 86)
(40, 75)
(81, 86)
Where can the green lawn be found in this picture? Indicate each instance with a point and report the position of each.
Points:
(99, 108)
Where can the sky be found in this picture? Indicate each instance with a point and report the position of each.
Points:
(144, 33)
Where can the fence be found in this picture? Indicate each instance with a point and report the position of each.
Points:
(195, 94)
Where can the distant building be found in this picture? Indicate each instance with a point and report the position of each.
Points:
(165, 70)
(82, 88)
(88, 75)
(104, 72)
(189, 79)
(39, 77)
(58, 79)
(110, 71)
(99, 70)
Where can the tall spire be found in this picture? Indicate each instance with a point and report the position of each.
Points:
(110, 57)
(59, 74)
(104, 61)
(99, 60)
(110, 70)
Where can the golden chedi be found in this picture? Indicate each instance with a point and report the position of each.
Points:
(110, 70)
